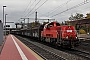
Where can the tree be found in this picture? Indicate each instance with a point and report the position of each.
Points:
(45, 22)
(76, 16)
(35, 23)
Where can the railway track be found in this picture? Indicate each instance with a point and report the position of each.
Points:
(84, 49)
(45, 54)
(81, 53)
(85, 44)
(48, 55)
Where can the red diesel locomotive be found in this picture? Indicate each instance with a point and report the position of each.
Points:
(60, 35)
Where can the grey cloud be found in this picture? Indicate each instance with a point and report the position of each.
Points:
(15, 9)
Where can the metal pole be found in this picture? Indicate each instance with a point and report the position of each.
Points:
(28, 22)
(35, 16)
(24, 23)
(5, 25)
(3, 15)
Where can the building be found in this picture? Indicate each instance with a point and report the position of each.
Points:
(81, 23)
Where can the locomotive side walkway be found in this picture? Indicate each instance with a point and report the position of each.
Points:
(15, 50)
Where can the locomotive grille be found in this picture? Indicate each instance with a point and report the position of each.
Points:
(49, 35)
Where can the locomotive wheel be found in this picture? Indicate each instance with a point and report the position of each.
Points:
(71, 44)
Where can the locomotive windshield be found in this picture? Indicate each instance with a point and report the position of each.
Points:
(57, 24)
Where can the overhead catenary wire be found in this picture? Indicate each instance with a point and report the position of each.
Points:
(27, 8)
(34, 7)
(38, 7)
(30, 7)
(58, 7)
(78, 5)
(62, 11)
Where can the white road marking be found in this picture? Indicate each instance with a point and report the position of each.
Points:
(19, 50)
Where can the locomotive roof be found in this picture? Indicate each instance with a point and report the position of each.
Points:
(52, 23)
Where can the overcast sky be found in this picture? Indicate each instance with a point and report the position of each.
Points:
(54, 9)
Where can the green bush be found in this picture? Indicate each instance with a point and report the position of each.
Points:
(82, 31)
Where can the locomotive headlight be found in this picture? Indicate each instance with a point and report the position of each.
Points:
(66, 37)
(76, 37)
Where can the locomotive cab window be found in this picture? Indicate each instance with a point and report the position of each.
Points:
(51, 24)
(57, 24)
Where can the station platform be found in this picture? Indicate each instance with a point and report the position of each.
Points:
(14, 49)
(84, 36)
